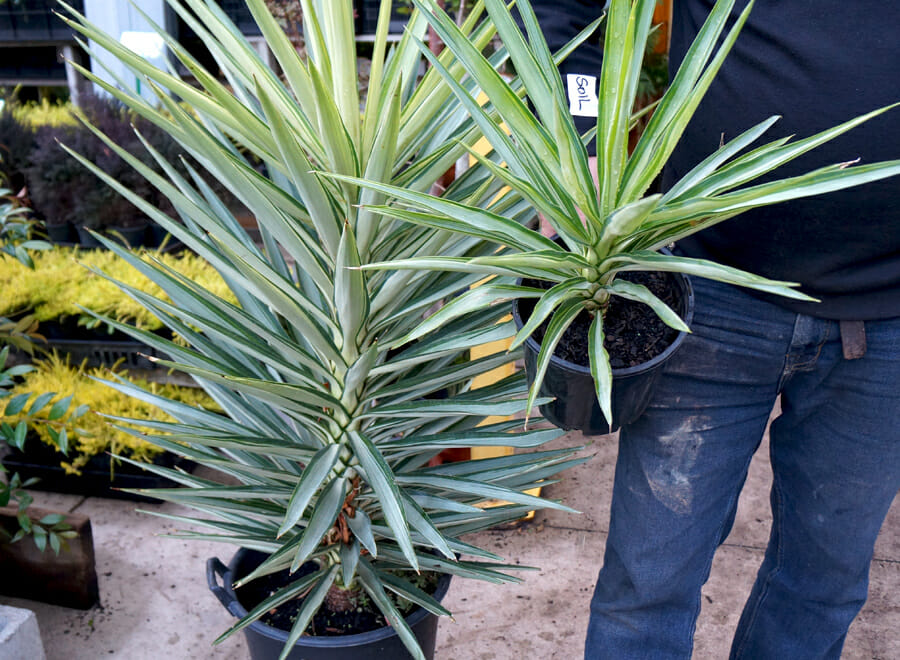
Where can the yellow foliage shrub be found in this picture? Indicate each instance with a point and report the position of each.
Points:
(56, 375)
(61, 281)
(44, 113)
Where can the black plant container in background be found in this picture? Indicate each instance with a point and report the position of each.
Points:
(60, 232)
(367, 16)
(41, 462)
(86, 239)
(575, 406)
(266, 642)
(133, 235)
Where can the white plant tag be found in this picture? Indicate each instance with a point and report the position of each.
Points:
(583, 101)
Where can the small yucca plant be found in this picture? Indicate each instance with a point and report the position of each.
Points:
(611, 226)
(328, 432)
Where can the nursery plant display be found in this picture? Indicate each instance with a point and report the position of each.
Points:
(96, 439)
(33, 115)
(609, 229)
(45, 555)
(67, 576)
(328, 433)
(56, 418)
(64, 285)
(60, 193)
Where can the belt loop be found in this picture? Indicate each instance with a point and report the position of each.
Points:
(853, 339)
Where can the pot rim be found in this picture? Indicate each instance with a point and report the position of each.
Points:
(621, 372)
(335, 641)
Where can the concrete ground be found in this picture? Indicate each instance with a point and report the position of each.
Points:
(155, 602)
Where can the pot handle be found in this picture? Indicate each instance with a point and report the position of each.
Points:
(214, 569)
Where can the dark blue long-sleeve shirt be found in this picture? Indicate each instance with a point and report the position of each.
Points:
(816, 63)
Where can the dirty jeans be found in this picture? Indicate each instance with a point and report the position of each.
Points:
(835, 453)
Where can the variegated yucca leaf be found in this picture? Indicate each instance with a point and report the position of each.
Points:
(611, 225)
(329, 432)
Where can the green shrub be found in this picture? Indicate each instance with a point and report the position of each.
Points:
(63, 191)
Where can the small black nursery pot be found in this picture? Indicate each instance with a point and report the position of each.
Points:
(575, 406)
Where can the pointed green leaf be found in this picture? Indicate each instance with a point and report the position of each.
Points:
(59, 408)
(351, 297)
(15, 405)
(571, 289)
(361, 526)
(459, 217)
(412, 593)
(322, 519)
(315, 197)
(419, 521)
(381, 479)
(480, 297)
(349, 561)
(601, 371)
(293, 590)
(640, 293)
(21, 432)
(703, 268)
(310, 483)
(560, 321)
(374, 587)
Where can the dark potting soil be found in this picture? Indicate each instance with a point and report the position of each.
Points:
(364, 618)
(634, 334)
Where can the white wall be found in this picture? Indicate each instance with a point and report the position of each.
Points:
(116, 17)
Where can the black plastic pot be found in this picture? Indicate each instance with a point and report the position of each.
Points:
(59, 233)
(97, 348)
(266, 642)
(132, 235)
(576, 406)
(86, 238)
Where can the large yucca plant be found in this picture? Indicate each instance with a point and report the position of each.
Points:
(611, 226)
(328, 432)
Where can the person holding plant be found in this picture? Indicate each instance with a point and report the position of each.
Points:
(835, 448)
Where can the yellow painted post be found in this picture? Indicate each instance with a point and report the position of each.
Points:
(489, 378)
(497, 374)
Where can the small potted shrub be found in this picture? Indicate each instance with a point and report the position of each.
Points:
(328, 433)
(578, 295)
(62, 192)
(16, 142)
(50, 183)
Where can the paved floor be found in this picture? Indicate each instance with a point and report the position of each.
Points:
(155, 603)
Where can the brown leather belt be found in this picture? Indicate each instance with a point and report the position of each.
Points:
(853, 339)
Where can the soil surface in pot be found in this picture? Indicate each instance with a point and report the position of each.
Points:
(364, 618)
(634, 334)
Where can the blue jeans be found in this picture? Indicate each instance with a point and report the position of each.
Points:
(835, 454)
